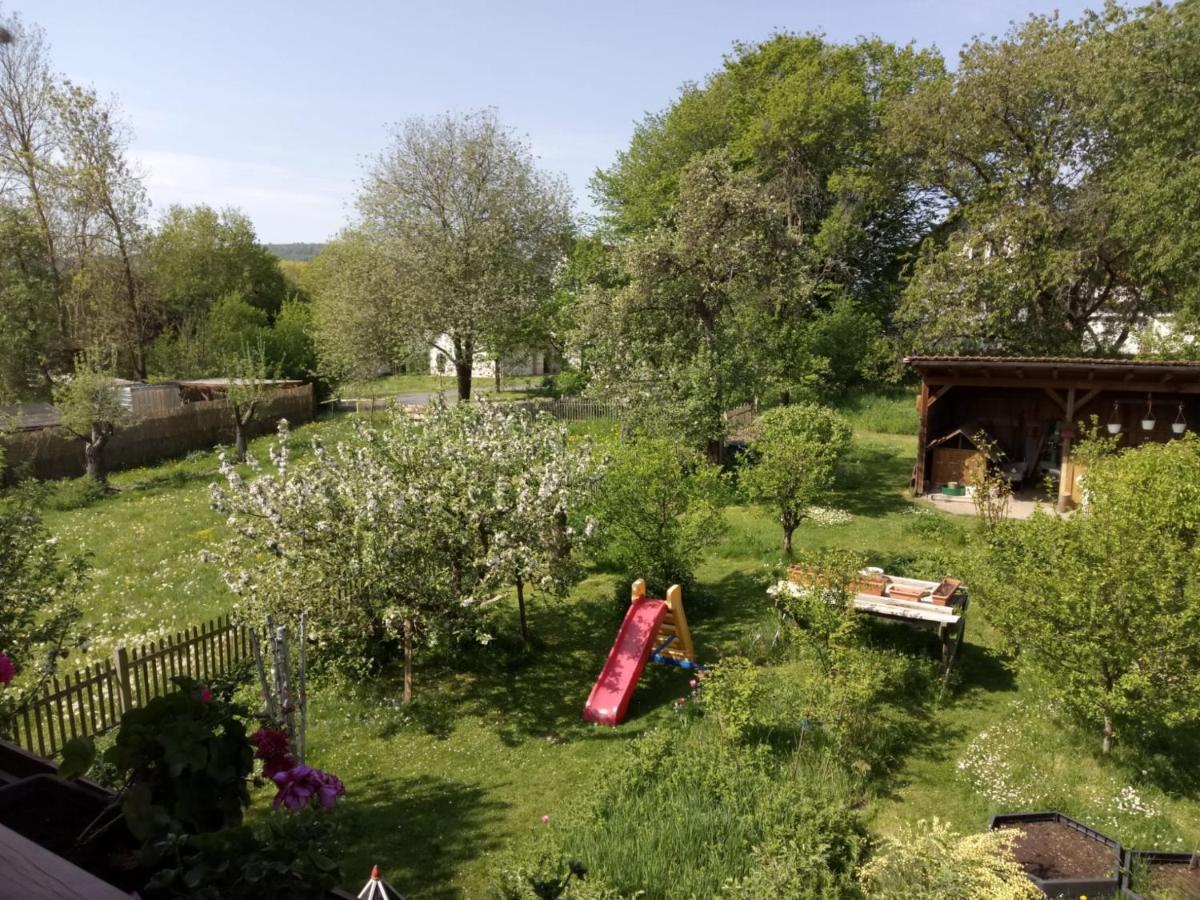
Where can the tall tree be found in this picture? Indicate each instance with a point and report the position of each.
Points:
(29, 150)
(108, 206)
(473, 228)
(199, 254)
(1015, 151)
(361, 323)
(702, 306)
(28, 330)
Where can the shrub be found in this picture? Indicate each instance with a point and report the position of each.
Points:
(930, 860)
(659, 509)
(792, 461)
(1107, 601)
(38, 608)
(731, 691)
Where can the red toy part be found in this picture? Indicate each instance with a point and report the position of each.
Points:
(609, 699)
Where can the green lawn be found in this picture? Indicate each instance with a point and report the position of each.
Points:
(495, 741)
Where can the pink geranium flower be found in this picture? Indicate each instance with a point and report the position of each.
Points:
(205, 695)
(274, 749)
(7, 670)
(300, 785)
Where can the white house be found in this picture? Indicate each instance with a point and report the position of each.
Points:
(542, 360)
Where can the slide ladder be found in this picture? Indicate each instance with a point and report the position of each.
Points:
(652, 629)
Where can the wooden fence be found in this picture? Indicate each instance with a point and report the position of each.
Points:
(91, 700)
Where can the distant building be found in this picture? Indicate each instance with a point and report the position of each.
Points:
(542, 360)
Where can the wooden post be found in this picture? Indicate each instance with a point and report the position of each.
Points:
(124, 689)
(639, 590)
(922, 438)
(1067, 470)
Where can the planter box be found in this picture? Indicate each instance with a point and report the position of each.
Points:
(17, 763)
(1092, 886)
(52, 813)
(1151, 859)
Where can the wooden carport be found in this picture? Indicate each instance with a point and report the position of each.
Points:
(1032, 406)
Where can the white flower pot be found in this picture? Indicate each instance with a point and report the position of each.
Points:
(1147, 424)
(1114, 427)
(1179, 427)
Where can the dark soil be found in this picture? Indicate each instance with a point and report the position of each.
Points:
(1054, 850)
(1174, 880)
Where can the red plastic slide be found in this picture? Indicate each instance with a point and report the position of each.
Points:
(609, 699)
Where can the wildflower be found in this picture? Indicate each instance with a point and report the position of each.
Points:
(692, 684)
(7, 670)
(545, 820)
(300, 785)
(205, 695)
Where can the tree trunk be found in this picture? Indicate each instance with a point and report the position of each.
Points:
(715, 450)
(521, 609)
(239, 442)
(93, 456)
(787, 540)
(408, 653)
(497, 370)
(1107, 744)
(462, 371)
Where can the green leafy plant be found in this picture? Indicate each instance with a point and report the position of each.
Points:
(659, 508)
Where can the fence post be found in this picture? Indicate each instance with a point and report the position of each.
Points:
(121, 661)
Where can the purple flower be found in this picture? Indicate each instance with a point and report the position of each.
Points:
(7, 670)
(300, 785)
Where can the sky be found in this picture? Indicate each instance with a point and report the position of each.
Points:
(276, 107)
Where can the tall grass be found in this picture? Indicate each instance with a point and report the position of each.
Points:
(883, 411)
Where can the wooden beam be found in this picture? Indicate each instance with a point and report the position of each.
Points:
(940, 391)
(1086, 399)
(1056, 397)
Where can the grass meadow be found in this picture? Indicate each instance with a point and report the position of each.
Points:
(438, 792)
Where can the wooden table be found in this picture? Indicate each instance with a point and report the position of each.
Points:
(29, 871)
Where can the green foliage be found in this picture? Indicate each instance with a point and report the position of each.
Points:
(288, 854)
(290, 342)
(29, 339)
(39, 608)
(200, 254)
(731, 695)
(649, 825)
(91, 409)
(186, 760)
(659, 509)
(931, 860)
(1107, 601)
(793, 459)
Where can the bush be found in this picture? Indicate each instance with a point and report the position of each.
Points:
(930, 860)
(658, 510)
(74, 493)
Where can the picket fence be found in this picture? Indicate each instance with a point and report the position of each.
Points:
(574, 409)
(91, 700)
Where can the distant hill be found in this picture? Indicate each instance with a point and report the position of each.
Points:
(297, 252)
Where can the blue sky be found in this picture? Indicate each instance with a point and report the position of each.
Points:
(273, 107)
